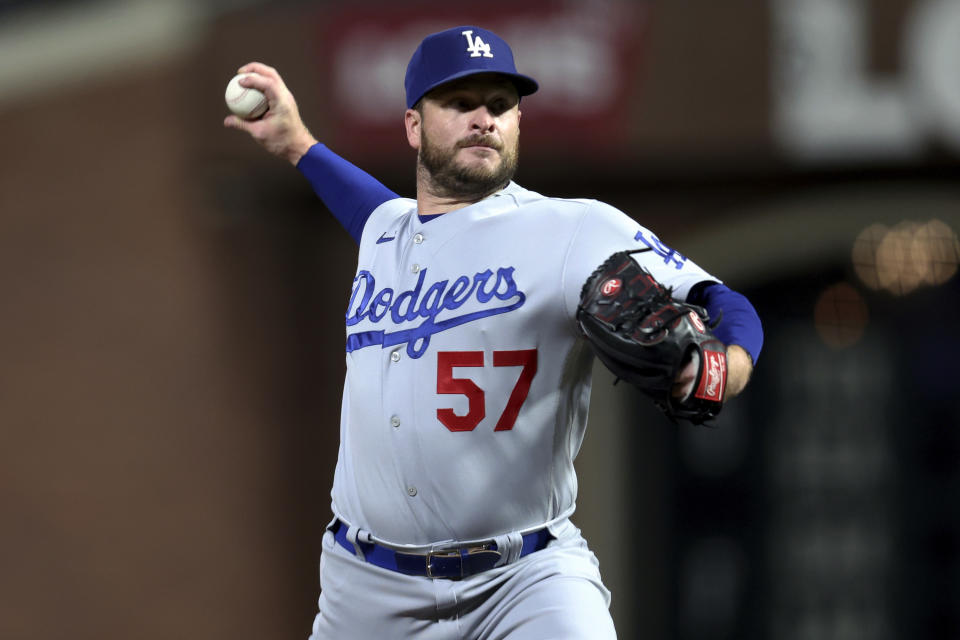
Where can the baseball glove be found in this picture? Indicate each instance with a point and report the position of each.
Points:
(646, 337)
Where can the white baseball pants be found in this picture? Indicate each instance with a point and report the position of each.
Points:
(555, 593)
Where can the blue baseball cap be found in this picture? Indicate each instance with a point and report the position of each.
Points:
(457, 53)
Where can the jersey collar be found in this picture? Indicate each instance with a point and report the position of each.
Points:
(511, 189)
(508, 190)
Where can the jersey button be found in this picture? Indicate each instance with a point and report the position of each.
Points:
(417, 239)
(394, 421)
(395, 356)
(415, 268)
(411, 491)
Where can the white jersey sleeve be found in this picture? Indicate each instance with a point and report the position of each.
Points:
(604, 230)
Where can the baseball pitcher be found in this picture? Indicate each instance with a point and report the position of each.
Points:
(476, 311)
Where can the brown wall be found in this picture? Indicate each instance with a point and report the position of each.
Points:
(161, 411)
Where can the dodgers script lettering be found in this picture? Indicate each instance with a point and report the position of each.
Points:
(497, 293)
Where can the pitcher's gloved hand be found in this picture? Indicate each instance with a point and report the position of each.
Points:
(662, 346)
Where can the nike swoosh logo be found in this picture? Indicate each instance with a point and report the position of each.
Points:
(383, 238)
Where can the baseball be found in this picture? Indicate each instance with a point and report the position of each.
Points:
(245, 102)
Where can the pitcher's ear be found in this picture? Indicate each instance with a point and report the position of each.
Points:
(413, 122)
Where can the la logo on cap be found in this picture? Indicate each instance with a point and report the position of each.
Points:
(476, 46)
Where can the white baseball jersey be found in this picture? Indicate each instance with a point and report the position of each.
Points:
(467, 384)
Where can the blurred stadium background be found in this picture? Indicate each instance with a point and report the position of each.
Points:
(172, 304)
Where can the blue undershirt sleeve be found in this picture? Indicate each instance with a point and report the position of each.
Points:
(350, 193)
(739, 324)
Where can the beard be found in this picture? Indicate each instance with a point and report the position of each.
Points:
(451, 179)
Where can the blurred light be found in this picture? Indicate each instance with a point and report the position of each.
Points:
(907, 256)
(937, 246)
(896, 270)
(865, 254)
(840, 316)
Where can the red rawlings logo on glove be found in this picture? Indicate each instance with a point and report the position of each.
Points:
(713, 380)
(697, 322)
(610, 287)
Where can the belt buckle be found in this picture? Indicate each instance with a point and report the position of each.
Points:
(453, 553)
(463, 556)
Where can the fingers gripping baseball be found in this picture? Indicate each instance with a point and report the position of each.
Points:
(280, 130)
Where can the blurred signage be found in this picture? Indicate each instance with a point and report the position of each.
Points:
(584, 56)
(828, 106)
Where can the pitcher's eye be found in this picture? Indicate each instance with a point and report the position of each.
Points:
(498, 107)
(461, 104)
